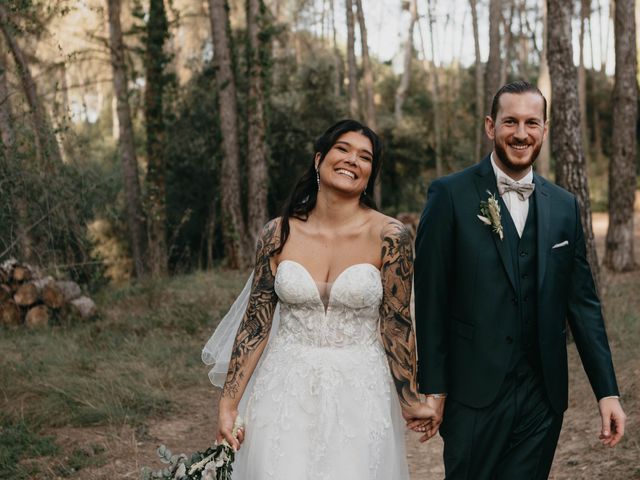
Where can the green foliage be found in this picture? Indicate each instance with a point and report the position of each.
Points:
(193, 160)
(214, 463)
(59, 203)
(301, 103)
(18, 441)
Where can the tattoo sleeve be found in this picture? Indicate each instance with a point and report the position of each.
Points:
(396, 326)
(256, 323)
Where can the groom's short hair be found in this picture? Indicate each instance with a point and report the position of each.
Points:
(519, 87)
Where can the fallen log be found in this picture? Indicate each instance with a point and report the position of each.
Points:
(5, 293)
(9, 314)
(21, 274)
(52, 296)
(83, 308)
(37, 317)
(70, 290)
(26, 295)
(40, 283)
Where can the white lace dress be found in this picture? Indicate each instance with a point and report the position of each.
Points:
(323, 405)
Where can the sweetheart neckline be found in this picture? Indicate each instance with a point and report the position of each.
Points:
(337, 276)
(315, 284)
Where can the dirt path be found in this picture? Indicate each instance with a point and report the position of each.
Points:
(579, 454)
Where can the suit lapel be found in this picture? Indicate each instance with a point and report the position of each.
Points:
(486, 181)
(543, 204)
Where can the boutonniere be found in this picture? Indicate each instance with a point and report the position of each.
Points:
(490, 210)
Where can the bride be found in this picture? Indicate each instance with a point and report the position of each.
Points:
(325, 390)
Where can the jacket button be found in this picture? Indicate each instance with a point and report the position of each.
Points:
(523, 254)
(509, 340)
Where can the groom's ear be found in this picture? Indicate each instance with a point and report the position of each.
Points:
(546, 131)
(490, 127)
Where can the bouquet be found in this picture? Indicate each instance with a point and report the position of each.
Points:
(215, 463)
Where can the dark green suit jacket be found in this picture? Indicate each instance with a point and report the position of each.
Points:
(465, 290)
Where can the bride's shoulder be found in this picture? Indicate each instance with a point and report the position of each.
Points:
(269, 237)
(271, 228)
(386, 228)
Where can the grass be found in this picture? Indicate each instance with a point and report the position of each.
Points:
(120, 369)
(139, 357)
(18, 441)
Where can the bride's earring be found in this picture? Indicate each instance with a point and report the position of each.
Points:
(318, 178)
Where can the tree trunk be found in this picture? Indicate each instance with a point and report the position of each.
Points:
(352, 68)
(566, 145)
(210, 233)
(493, 71)
(367, 71)
(505, 67)
(585, 7)
(605, 46)
(46, 144)
(480, 113)
(257, 148)
(435, 91)
(233, 225)
(155, 62)
(369, 104)
(135, 216)
(337, 58)
(403, 86)
(619, 254)
(543, 163)
(16, 199)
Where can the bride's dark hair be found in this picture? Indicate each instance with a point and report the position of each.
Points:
(305, 193)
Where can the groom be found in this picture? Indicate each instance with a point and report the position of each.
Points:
(500, 266)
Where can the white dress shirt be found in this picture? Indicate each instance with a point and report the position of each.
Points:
(519, 209)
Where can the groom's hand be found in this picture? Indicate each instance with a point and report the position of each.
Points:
(436, 405)
(613, 420)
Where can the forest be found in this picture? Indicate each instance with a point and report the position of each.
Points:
(144, 144)
(158, 137)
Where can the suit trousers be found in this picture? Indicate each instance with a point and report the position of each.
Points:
(513, 438)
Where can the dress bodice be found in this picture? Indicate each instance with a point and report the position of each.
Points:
(351, 314)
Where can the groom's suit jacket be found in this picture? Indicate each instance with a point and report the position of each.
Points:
(465, 293)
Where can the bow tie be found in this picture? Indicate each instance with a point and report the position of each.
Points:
(524, 190)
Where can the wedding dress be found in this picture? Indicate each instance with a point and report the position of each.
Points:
(322, 403)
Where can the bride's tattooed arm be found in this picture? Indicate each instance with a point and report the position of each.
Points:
(256, 323)
(396, 327)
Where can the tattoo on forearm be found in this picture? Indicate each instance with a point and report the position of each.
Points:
(396, 327)
(256, 323)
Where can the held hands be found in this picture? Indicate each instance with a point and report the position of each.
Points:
(226, 420)
(613, 421)
(425, 417)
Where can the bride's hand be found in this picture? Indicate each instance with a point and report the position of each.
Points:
(226, 419)
(429, 419)
(419, 416)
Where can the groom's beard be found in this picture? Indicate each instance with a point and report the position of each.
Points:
(504, 157)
